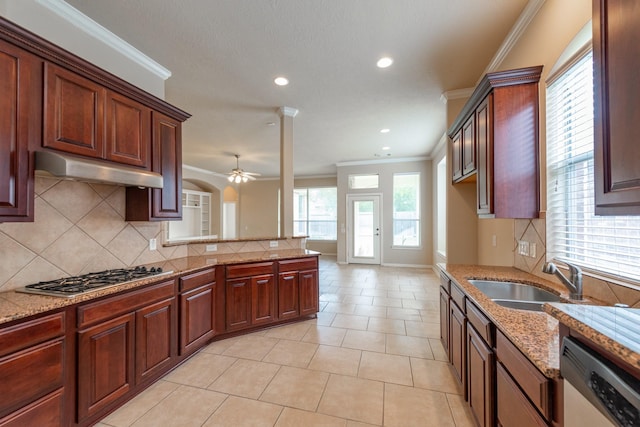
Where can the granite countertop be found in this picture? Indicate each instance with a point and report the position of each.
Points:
(615, 329)
(534, 333)
(17, 305)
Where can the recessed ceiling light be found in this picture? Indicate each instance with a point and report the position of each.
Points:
(281, 81)
(386, 148)
(271, 123)
(385, 130)
(384, 62)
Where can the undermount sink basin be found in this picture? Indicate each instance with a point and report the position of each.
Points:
(515, 295)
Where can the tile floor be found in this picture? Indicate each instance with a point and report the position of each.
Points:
(372, 357)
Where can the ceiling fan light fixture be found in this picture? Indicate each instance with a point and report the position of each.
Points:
(238, 179)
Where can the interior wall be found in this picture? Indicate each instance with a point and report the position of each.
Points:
(437, 155)
(258, 209)
(422, 256)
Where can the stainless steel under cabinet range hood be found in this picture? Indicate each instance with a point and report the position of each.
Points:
(80, 169)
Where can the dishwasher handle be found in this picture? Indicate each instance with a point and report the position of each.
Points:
(609, 388)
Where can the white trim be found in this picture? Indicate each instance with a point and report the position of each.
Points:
(525, 18)
(456, 94)
(287, 111)
(376, 162)
(407, 265)
(439, 146)
(92, 28)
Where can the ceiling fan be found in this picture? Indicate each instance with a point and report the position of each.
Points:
(237, 175)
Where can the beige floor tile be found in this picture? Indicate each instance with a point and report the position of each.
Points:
(353, 398)
(438, 350)
(219, 347)
(201, 370)
(409, 346)
(423, 329)
(404, 314)
(389, 326)
(388, 368)
(349, 321)
(297, 388)
(358, 424)
(364, 340)
(346, 289)
(371, 311)
(401, 294)
(237, 411)
(331, 297)
(289, 332)
(434, 375)
(339, 307)
(325, 335)
(297, 418)
(358, 299)
(246, 378)
(141, 404)
(251, 347)
(374, 293)
(336, 360)
(291, 353)
(430, 316)
(408, 406)
(419, 304)
(185, 407)
(460, 410)
(387, 302)
(325, 318)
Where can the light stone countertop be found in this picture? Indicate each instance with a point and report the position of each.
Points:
(534, 333)
(17, 305)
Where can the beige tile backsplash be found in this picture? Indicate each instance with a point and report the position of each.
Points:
(80, 228)
(534, 230)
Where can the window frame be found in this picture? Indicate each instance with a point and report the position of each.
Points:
(307, 221)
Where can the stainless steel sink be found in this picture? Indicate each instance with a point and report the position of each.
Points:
(515, 295)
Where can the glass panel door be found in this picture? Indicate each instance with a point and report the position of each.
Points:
(364, 229)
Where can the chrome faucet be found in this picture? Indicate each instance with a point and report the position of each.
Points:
(574, 283)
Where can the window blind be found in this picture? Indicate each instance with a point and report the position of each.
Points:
(610, 245)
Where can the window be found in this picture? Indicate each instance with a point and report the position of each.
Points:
(442, 207)
(406, 209)
(359, 182)
(315, 213)
(606, 244)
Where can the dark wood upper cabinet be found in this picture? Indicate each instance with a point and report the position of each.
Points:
(19, 128)
(504, 112)
(469, 146)
(456, 156)
(128, 131)
(616, 55)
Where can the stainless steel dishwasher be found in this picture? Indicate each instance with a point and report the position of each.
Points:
(597, 393)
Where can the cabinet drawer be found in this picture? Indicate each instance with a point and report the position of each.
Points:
(30, 333)
(247, 270)
(30, 374)
(47, 411)
(513, 407)
(298, 264)
(198, 279)
(457, 295)
(481, 323)
(536, 386)
(124, 303)
(445, 282)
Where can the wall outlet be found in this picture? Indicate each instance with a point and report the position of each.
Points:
(532, 250)
(211, 248)
(153, 245)
(523, 248)
(494, 240)
(273, 244)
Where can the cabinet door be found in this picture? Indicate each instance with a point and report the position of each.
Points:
(288, 302)
(155, 338)
(616, 55)
(458, 337)
(128, 131)
(105, 364)
(196, 318)
(238, 303)
(513, 408)
(308, 288)
(480, 374)
(444, 319)
(484, 141)
(73, 113)
(469, 146)
(263, 299)
(20, 97)
(456, 156)
(167, 160)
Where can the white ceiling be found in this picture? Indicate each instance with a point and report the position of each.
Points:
(224, 55)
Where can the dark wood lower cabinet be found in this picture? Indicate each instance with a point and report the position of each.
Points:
(480, 379)
(514, 410)
(263, 299)
(309, 292)
(196, 318)
(457, 344)
(238, 304)
(444, 319)
(155, 339)
(45, 412)
(288, 298)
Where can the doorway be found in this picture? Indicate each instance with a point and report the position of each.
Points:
(363, 225)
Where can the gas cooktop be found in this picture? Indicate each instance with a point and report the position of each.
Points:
(77, 285)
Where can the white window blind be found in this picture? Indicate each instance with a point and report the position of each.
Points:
(610, 245)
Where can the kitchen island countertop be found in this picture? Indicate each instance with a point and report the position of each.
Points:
(16, 305)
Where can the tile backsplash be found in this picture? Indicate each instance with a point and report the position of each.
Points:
(80, 228)
(534, 230)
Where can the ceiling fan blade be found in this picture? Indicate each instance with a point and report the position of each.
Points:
(252, 173)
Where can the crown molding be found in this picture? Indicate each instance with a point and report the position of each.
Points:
(441, 144)
(92, 28)
(525, 18)
(456, 94)
(381, 161)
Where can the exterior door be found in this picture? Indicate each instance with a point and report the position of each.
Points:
(363, 213)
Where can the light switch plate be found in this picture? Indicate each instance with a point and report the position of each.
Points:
(273, 244)
(523, 248)
(153, 245)
(212, 248)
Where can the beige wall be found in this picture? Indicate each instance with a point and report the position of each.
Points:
(258, 209)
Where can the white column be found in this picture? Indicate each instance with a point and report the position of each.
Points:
(286, 170)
